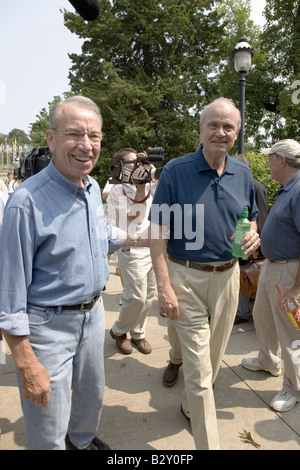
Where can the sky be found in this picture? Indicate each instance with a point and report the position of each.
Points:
(34, 62)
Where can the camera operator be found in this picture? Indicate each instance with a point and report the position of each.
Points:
(131, 203)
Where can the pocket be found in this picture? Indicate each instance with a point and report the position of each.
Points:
(38, 315)
(292, 269)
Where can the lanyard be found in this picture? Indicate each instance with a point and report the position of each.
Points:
(134, 200)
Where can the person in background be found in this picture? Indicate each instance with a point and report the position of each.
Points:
(106, 190)
(262, 202)
(11, 183)
(3, 187)
(131, 202)
(51, 309)
(3, 201)
(277, 337)
(197, 277)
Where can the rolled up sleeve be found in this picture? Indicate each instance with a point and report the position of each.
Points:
(14, 278)
(116, 238)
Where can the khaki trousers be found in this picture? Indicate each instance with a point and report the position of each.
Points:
(277, 337)
(208, 303)
(140, 288)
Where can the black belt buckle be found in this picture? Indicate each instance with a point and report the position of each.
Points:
(89, 304)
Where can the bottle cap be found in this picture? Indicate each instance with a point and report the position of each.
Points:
(245, 212)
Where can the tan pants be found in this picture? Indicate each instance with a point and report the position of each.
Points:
(140, 288)
(208, 303)
(277, 337)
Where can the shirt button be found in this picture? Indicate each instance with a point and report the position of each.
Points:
(95, 256)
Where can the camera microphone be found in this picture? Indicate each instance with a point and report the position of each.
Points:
(87, 9)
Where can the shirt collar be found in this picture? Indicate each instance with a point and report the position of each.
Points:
(59, 178)
(294, 180)
(204, 166)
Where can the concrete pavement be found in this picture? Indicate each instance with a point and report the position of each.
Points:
(141, 414)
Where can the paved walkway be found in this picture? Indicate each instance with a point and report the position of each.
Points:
(141, 414)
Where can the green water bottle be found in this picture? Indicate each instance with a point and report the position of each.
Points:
(242, 227)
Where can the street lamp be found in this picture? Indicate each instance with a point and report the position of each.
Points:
(242, 56)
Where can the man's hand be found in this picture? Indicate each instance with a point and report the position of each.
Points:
(140, 174)
(290, 298)
(251, 243)
(168, 303)
(35, 384)
(35, 381)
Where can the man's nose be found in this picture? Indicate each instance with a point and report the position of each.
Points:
(85, 141)
(221, 131)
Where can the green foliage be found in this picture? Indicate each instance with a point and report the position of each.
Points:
(39, 127)
(261, 172)
(15, 134)
(151, 66)
(147, 64)
(278, 69)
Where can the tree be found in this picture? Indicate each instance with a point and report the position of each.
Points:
(147, 65)
(272, 102)
(262, 173)
(281, 41)
(151, 66)
(39, 127)
(15, 135)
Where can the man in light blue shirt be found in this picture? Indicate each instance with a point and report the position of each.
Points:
(53, 268)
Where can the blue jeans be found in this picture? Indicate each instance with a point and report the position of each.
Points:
(243, 310)
(69, 344)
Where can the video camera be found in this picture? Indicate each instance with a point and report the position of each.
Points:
(32, 163)
(121, 174)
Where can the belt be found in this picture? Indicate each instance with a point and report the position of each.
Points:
(203, 267)
(283, 260)
(82, 307)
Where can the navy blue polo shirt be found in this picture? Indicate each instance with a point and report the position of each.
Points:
(200, 207)
(280, 237)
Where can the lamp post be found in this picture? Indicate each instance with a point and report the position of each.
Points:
(242, 57)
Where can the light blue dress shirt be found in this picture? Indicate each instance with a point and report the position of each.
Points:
(53, 246)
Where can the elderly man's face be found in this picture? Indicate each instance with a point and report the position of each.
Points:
(219, 129)
(76, 142)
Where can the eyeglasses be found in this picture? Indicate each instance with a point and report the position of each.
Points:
(77, 136)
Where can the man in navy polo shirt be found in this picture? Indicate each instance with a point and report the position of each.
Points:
(198, 200)
(280, 243)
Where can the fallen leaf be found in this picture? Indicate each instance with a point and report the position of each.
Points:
(246, 437)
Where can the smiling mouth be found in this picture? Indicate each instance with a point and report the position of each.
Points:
(82, 159)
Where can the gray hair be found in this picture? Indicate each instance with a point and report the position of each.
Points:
(56, 110)
(293, 163)
(220, 100)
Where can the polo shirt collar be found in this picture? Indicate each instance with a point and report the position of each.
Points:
(294, 180)
(204, 166)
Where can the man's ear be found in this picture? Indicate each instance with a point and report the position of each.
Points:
(50, 139)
